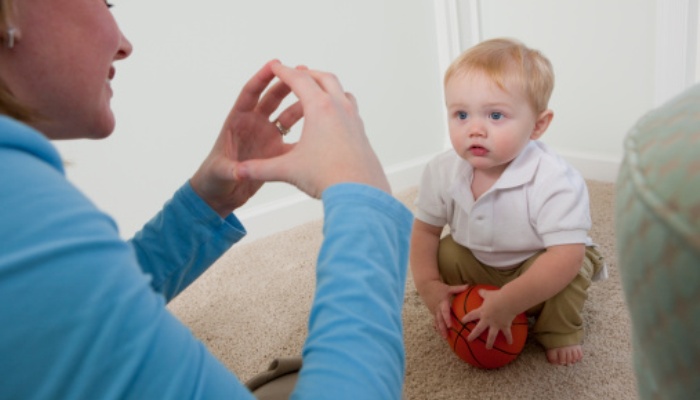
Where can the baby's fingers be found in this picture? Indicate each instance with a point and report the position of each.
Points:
(509, 335)
(477, 331)
(445, 311)
(493, 333)
(440, 326)
(454, 290)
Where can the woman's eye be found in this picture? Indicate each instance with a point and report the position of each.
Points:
(496, 116)
(461, 115)
(108, 4)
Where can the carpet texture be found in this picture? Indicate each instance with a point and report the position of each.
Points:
(253, 306)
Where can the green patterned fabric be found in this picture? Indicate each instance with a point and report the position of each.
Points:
(658, 240)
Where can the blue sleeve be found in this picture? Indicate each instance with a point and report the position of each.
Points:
(182, 241)
(355, 345)
(79, 319)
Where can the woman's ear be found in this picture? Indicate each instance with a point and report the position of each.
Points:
(9, 37)
(542, 123)
(9, 32)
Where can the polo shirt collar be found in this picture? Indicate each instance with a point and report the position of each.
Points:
(520, 171)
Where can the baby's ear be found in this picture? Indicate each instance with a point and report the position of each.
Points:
(542, 123)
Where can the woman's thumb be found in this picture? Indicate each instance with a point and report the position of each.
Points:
(258, 170)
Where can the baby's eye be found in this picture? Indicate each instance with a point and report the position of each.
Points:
(108, 4)
(496, 116)
(461, 115)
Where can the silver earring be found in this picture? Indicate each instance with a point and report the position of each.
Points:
(10, 41)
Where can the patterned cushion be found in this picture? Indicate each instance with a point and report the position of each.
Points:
(658, 241)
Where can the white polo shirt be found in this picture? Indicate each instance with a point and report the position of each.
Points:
(538, 202)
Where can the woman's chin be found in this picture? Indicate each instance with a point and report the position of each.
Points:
(103, 129)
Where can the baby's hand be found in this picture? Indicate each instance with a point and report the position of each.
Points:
(492, 315)
(438, 297)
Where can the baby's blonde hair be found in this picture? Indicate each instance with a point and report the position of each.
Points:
(508, 61)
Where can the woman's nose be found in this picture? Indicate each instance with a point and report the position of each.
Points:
(125, 48)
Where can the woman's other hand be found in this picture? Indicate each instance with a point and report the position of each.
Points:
(247, 134)
(333, 147)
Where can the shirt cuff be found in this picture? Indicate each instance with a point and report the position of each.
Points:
(230, 227)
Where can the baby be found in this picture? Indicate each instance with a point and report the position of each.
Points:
(518, 214)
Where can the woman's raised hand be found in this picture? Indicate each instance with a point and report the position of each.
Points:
(333, 147)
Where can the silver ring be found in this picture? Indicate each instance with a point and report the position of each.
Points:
(282, 129)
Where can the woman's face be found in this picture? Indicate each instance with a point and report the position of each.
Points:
(62, 63)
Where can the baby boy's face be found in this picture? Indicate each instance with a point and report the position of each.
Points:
(488, 126)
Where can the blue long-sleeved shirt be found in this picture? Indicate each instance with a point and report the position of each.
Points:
(82, 313)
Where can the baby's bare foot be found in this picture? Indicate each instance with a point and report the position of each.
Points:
(566, 355)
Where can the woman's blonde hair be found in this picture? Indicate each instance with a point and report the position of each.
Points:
(9, 105)
(508, 61)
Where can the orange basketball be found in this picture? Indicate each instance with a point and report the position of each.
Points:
(475, 352)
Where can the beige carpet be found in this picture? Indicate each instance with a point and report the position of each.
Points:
(253, 306)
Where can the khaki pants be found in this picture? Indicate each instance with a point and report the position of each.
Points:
(558, 321)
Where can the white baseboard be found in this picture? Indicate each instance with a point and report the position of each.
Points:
(407, 174)
(280, 215)
(291, 211)
(594, 167)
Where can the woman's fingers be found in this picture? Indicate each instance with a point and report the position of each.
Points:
(290, 116)
(304, 86)
(328, 82)
(333, 147)
(249, 97)
(272, 98)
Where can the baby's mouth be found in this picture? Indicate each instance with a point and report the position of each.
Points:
(478, 151)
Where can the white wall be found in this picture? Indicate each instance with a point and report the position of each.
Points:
(676, 47)
(613, 61)
(190, 61)
(603, 58)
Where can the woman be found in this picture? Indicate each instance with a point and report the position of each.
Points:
(83, 313)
